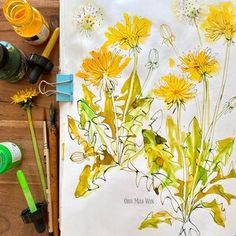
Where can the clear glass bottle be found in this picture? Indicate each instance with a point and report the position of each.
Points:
(13, 64)
(26, 21)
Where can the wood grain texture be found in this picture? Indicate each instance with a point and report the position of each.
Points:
(14, 127)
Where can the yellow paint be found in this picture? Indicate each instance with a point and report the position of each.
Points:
(26, 20)
(171, 62)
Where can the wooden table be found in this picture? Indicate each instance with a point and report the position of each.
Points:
(14, 127)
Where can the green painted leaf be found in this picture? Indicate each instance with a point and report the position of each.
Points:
(155, 219)
(172, 134)
(157, 154)
(202, 175)
(89, 97)
(139, 112)
(109, 114)
(224, 151)
(220, 176)
(129, 91)
(217, 212)
(83, 185)
(218, 190)
(193, 144)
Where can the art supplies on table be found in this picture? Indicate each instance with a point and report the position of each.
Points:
(41, 63)
(149, 139)
(13, 65)
(26, 20)
(36, 212)
(10, 156)
(54, 169)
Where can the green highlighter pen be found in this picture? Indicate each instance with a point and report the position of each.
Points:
(32, 214)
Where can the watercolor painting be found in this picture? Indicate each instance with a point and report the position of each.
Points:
(160, 127)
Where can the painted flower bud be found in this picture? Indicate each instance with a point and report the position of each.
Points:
(167, 35)
(153, 59)
(229, 105)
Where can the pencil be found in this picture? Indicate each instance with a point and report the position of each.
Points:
(54, 168)
(46, 156)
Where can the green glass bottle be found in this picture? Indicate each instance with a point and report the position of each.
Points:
(10, 156)
(13, 63)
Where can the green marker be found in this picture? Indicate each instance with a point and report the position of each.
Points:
(25, 188)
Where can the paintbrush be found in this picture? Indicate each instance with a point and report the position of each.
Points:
(47, 160)
(54, 168)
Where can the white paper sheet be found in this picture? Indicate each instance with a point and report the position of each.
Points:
(119, 206)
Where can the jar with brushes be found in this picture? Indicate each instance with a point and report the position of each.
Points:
(13, 64)
(10, 156)
(27, 21)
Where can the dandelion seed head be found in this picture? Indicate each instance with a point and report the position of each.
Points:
(188, 11)
(88, 18)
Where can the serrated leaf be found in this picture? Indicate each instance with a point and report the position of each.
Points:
(108, 114)
(88, 148)
(83, 184)
(217, 212)
(193, 143)
(202, 175)
(157, 154)
(130, 90)
(220, 176)
(224, 151)
(155, 219)
(218, 190)
(89, 97)
(172, 134)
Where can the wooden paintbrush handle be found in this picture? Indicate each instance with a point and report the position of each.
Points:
(54, 177)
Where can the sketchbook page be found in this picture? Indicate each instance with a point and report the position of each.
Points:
(149, 139)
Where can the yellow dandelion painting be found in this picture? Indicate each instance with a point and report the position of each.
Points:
(221, 21)
(103, 64)
(175, 90)
(130, 33)
(199, 64)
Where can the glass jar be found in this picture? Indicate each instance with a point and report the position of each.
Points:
(26, 21)
(13, 64)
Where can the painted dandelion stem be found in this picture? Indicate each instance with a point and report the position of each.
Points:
(179, 140)
(222, 89)
(117, 128)
(127, 104)
(36, 151)
(198, 32)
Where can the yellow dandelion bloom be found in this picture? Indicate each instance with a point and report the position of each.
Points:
(221, 21)
(175, 90)
(130, 34)
(24, 96)
(103, 64)
(199, 65)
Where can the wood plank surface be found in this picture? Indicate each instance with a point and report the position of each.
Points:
(14, 127)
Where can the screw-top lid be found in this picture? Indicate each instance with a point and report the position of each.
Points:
(3, 55)
(3, 163)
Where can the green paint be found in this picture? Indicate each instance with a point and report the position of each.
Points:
(12, 63)
(26, 190)
(10, 156)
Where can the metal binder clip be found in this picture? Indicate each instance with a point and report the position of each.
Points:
(63, 85)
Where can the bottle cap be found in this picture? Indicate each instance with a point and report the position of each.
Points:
(3, 55)
(3, 163)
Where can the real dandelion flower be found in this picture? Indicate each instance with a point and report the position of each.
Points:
(24, 96)
(130, 33)
(88, 18)
(188, 11)
(199, 64)
(175, 90)
(221, 21)
(102, 66)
